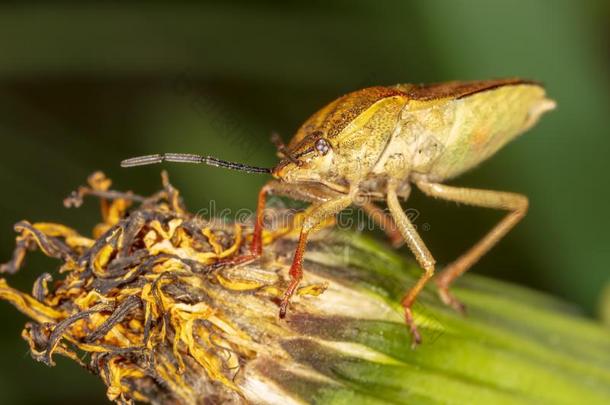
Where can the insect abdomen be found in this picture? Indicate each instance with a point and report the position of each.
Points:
(486, 121)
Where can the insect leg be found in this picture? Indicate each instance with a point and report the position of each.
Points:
(384, 221)
(319, 213)
(308, 193)
(421, 252)
(516, 204)
(256, 246)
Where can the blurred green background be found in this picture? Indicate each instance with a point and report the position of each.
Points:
(86, 84)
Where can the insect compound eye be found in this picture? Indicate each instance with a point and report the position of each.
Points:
(322, 146)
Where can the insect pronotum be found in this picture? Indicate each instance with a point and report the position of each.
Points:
(374, 144)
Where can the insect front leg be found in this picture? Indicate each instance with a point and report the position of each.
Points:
(256, 245)
(309, 193)
(517, 204)
(419, 249)
(318, 214)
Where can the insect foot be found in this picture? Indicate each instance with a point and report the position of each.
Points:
(415, 335)
(443, 281)
(448, 298)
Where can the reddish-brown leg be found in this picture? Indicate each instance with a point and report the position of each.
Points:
(296, 273)
(304, 193)
(256, 245)
(318, 214)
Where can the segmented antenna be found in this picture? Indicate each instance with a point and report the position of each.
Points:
(190, 158)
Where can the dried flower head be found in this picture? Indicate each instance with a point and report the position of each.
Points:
(145, 305)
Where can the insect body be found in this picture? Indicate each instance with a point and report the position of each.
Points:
(374, 144)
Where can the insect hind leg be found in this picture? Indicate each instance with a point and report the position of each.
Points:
(516, 204)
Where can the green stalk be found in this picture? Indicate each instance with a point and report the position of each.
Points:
(514, 346)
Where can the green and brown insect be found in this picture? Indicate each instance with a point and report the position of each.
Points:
(374, 144)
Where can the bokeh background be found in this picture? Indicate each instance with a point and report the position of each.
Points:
(86, 84)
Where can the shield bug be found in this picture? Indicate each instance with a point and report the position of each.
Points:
(374, 144)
